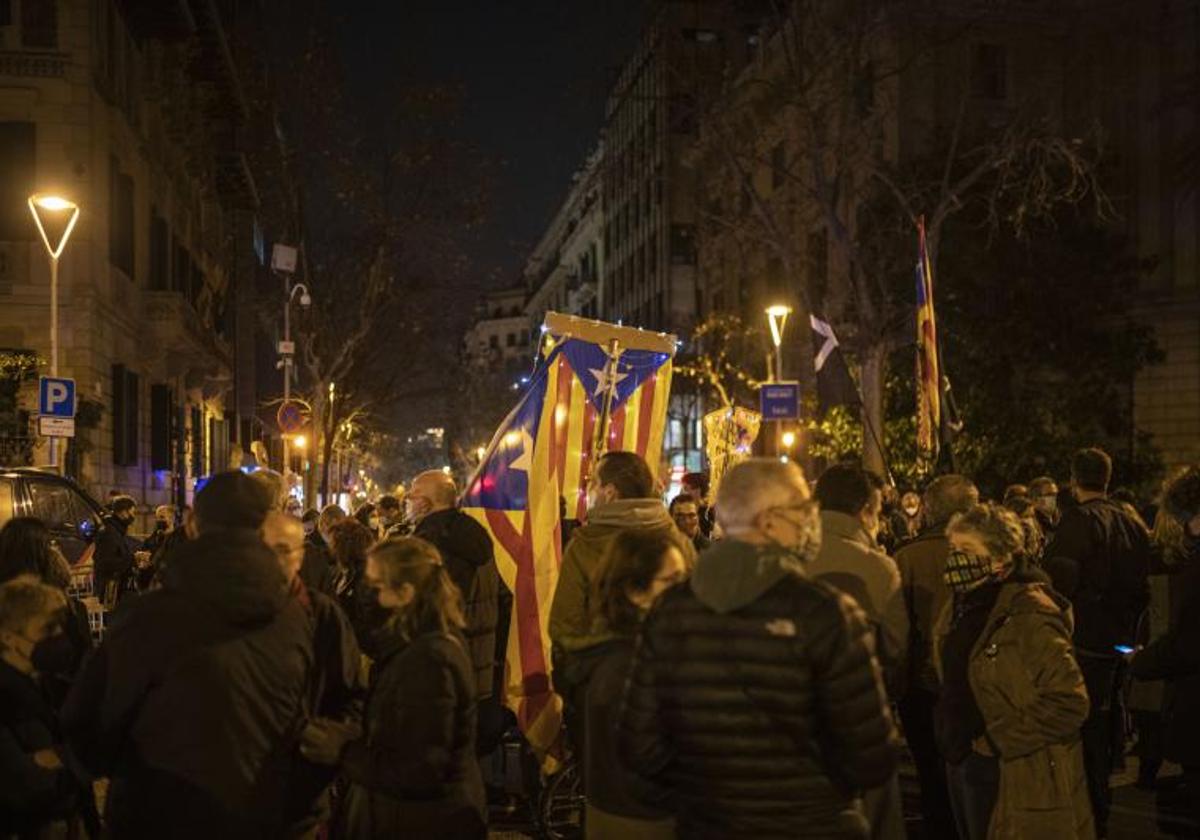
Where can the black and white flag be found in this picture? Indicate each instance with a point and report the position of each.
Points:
(835, 386)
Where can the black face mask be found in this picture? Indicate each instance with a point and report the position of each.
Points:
(53, 655)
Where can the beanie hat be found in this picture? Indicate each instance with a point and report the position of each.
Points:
(232, 500)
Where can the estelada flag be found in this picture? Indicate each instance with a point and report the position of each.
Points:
(591, 378)
(928, 375)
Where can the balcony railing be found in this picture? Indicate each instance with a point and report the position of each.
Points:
(37, 65)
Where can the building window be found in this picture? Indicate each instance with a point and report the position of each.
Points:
(162, 412)
(183, 270)
(778, 165)
(197, 443)
(989, 71)
(39, 24)
(683, 245)
(510, 340)
(120, 218)
(125, 416)
(160, 253)
(18, 144)
(494, 342)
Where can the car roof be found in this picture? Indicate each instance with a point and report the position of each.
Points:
(45, 474)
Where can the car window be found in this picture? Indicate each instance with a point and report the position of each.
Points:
(53, 503)
(6, 500)
(86, 518)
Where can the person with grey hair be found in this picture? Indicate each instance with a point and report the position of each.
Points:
(1012, 699)
(803, 725)
(921, 563)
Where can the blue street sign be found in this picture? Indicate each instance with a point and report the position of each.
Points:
(780, 401)
(56, 397)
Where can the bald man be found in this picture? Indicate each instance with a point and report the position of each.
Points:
(335, 688)
(466, 549)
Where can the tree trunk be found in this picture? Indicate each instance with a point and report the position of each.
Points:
(874, 374)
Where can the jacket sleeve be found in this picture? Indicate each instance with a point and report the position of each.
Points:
(859, 742)
(1065, 558)
(1060, 702)
(412, 746)
(894, 629)
(1174, 654)
(28, 788)
(642, 743)
(339, 663)
(568, 612)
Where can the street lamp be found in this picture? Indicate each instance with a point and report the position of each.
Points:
(300, 440)
(777, 316)
(287, 349)
(789, 440)
(53, 206)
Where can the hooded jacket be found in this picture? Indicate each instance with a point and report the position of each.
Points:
(850, 560)
(755, 704)
(1031, 694)
(470, 559)
(194, 702)
(574, 622)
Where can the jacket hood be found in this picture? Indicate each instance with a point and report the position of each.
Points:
(458, 535)
(231, 571)
(625, 514)
(733, 574)
(837, 524)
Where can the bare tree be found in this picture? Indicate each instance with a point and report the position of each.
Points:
(834, 139)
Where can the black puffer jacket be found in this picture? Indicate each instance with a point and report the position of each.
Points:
(1100, 559)
(756, 704)
(470, 559)
(194, 702)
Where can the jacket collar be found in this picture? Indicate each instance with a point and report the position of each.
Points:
(837, 524)
(1025, 598)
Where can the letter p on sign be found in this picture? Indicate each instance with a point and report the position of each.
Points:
(56, 397)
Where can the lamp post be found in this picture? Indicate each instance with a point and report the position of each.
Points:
(287, 349)
(56, 205)
(777, 316)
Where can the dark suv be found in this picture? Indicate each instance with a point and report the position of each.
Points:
(72, 516)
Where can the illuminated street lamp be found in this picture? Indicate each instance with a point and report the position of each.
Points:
(789, 440)
(53, 207)
(777, 316)
(300, 441)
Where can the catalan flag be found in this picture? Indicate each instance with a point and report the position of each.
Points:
(929, 378)
(597, 387)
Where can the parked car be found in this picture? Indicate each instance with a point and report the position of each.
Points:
(72, 516)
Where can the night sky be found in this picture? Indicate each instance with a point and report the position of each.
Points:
(534, 76)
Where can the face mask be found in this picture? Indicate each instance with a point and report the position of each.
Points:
(53, 655)
(964, 572)
(808, 542)
(374, 523)
(910, 512)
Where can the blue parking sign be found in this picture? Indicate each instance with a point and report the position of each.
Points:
(780, 400)
(56, 397)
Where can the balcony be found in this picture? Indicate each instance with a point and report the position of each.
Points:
(191, 347)
(34, 65)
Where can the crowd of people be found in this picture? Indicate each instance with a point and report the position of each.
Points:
(748, 665)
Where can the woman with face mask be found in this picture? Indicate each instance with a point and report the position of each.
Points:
(26, 548)
(412, 769)
(639, 567)
(42, 794)
(1012, 697)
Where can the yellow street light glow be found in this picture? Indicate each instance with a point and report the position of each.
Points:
(480, 452)
(777, 315)
(789, 439)
(300, 441)
(53, 204)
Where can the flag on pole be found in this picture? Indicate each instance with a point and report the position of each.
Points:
(597, 387)
(929, 378)
(835, 385)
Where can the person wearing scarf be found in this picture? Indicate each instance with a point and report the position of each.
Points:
(1012, 696)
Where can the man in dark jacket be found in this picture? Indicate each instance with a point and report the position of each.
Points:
(335, 688)
(194, 702)
(467, 551)
(1100, 559)
(318, 554)
(1175, 656)
(113, 559)
(755, 704)
(922, 563)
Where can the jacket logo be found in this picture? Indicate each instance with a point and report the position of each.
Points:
(783, 627)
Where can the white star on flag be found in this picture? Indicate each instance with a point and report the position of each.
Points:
(602, 380)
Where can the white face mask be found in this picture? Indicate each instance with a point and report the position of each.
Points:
(910, 512)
